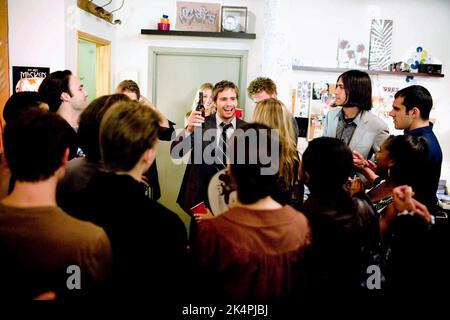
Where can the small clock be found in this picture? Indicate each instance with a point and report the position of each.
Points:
(234, 19)
(230, 23)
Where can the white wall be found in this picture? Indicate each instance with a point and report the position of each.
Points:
(36, 34)
(314, 27)
(52, 42)
(80, 20)
(132, 53)
(317, 25)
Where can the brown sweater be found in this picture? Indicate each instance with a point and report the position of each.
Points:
(249, 255)
(42, 242)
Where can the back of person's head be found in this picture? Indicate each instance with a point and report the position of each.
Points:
(358, 89)
(251, 147)
(89, 124)
(418, 97)
(222, 86)
(261, 84)
(274, 114)
(130, 86)
(21, 102)
(127, 130)
(53, 86)
(326, 166)
(409, 155)
(35, 145)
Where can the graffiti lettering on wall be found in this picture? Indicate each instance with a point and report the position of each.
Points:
(198, 16)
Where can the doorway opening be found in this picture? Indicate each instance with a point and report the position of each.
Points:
(94, 64)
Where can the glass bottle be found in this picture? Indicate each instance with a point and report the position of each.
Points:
(200, 107)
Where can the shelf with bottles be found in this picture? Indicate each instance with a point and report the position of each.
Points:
(371, 72)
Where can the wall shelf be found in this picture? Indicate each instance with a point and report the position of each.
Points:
(234, 35)
(372, 72)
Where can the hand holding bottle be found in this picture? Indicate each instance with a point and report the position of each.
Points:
(195, 119)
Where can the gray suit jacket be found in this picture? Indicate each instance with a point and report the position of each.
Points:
(369, 134)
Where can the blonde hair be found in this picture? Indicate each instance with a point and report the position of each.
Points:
(274, 114)
(204, 86)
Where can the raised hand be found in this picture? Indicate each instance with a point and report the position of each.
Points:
(194, 119)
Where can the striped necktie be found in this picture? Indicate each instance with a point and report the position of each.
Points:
(223, 145)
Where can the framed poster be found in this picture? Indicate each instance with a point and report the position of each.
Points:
(28, 78)
(198, 16)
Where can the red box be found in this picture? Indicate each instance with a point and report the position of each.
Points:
(239, 112)
(163, 26)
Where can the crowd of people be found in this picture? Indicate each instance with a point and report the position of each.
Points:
(79, 187)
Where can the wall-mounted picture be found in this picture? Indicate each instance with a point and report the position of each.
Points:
(198, 16)
(322, 100)
(28, 78)
(303, 98)
(234, 19)
(352, 54)
(382, 98)
(380, 44)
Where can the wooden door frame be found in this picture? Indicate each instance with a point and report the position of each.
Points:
(103, 62)
(4, 57)
(241, 54)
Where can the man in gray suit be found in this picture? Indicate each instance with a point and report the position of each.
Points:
(203, 136)
(352, 122)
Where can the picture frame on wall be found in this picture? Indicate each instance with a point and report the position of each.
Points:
(198, 16)
(234, 19)
(28, 78)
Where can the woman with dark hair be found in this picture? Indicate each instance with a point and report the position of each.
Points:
(345, 229)
(352, 122)
(255, 251)
(402, 161)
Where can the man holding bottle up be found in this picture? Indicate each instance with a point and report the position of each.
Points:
(206, 136)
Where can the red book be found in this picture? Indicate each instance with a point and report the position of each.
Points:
(199, 208)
